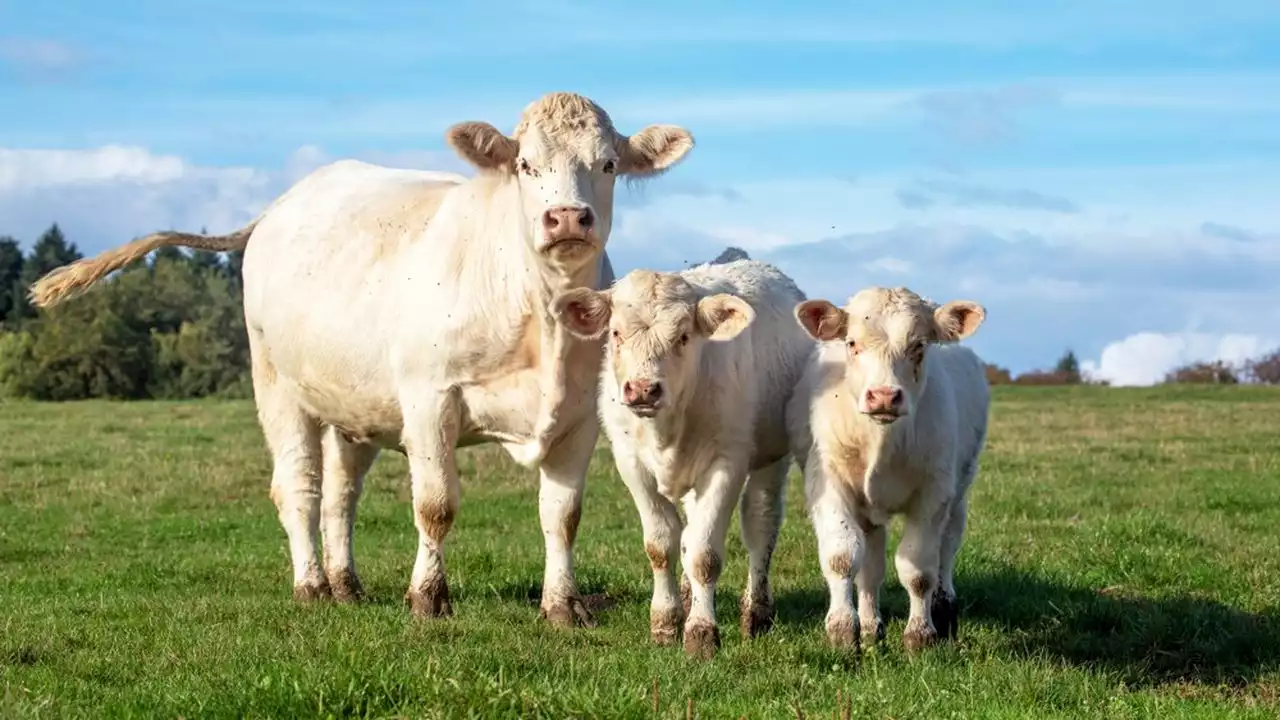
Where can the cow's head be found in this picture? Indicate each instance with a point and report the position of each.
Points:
(565, 156)
(658, 326)
(887, 334)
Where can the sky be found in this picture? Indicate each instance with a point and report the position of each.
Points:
(1101, 176)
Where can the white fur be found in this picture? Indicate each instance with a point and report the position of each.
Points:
(860, 472)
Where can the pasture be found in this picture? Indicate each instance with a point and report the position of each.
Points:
(1122, 560)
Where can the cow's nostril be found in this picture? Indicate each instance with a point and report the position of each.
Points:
(655, 391)
(549, 220)
(586, 219)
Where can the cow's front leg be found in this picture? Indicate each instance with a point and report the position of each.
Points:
(918, 563)
(840, 551)
(702, 550)
(563, 477)
(430, 435)
(661, 523)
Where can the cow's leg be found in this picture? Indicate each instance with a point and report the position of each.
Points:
(345, 465)
(761, 512)
(689, 501)
(945, 609)
(562, 480)
(430, 436)
(870, 579)
(661, 524)
(840, 551)
(702, 548)
(294, 440)
(918, 562)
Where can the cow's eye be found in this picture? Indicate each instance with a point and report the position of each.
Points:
(684, 339)
(610, 166)
(524, 166)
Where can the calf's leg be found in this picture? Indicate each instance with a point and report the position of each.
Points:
(761, 511)
(840, 553)
(870, 579)
(661, 523)
(345, 465)
(945, 610)
(563, 477)
(702, 550)
(918, 563)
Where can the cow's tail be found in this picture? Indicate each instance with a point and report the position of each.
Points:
(75, 278)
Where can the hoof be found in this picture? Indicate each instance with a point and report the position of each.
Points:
(918, 636)
(431, 601)
(842, 632)
(312, 592)
(701, 641)
(757, 619)
(568, 614)
(946, 616)
(872, 632)
(664, 625)
(346, 586)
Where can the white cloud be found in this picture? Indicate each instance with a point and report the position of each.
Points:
(1146, 358)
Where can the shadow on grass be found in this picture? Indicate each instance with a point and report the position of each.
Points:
(1148, 641)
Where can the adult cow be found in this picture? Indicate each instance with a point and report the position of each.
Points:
(404, 309)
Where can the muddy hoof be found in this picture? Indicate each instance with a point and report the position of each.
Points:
(701, 641)
(842, 632)
(757, 619)
(430, 602)
(918, 636)
(946, 616)
(664, 625)
(568, 614)
(311, 592)
(346, 587)
(872, 632)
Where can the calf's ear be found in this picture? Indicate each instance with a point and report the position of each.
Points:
(583, 311)
(723, 317)
(654, 149)
(822, 320)
(483, 145)
(958, 319)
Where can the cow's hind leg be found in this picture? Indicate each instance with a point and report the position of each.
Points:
(294, 440)
(761, 520)
(345, 465)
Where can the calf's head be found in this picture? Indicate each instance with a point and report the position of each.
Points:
(565, 157)
(658, 326)
(886, 335)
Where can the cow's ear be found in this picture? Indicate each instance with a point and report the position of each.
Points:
(958, 320)
(583, 311)
(822, 320)
(655, 149)
(723, 317)
(483, 145)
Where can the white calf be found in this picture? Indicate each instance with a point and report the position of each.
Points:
(689, 420)
(889, 419)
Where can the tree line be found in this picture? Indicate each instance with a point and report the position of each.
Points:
(173, 327)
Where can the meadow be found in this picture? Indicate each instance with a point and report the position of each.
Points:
(1122, 560)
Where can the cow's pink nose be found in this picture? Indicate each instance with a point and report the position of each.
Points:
(884, 399)
(641, 392)
(567, 221)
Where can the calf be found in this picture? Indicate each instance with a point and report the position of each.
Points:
(699, 366)
(889, 418)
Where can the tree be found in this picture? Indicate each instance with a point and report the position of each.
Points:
(50, 251)
(1209, 373)
(997, 375)
(11, 262)
(1266, 369)
(1068, 367)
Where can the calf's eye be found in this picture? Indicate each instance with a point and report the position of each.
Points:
(610, 166)
(684, 339)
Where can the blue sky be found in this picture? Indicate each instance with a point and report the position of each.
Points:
(1102, 176)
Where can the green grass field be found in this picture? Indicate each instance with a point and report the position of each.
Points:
(1122, 560)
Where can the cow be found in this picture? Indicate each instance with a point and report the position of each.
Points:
(889, 419)
(699, 365)
(409, 310)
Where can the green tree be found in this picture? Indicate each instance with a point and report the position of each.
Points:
(11, 262)
(1068, 367)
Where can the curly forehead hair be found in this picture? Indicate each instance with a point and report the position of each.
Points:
(563, 113)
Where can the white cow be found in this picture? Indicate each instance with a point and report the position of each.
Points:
(890, 418)
(699, 367)
(404, 309)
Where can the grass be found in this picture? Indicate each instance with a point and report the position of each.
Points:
(1122, 560)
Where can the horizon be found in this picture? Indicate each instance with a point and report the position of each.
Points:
(1098, 177)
